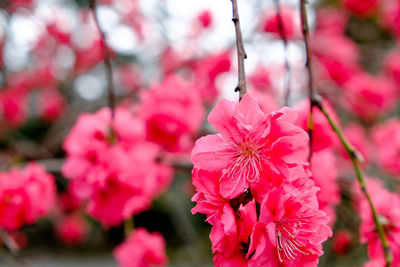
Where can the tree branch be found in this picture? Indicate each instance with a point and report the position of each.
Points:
(316, 101)
(107, 59)
(241, 53)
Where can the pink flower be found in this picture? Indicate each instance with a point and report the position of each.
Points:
(72, 229)
(14, 106)
(338, 65)
(389, 216)
(260, 78)
(387, 144)
(391, 64)
(341, 242)
(205, 18)
(324, 174)
(389, 16)
(323, 135)
(114, 168)
(290, 23)
(291, 228)
(141, 249)
(25, 195)
(331, 20)
(370, 97)
(357, 136)
(248, 143)
(361, 8)
(173, 112)
(207, 70)
(51, 104)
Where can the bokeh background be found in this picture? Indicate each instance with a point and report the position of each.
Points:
(52, 71)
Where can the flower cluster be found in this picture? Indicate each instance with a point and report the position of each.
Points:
(254, 187)
(25, 196)
(112, 165)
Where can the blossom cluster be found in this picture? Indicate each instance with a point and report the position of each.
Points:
(255, 188)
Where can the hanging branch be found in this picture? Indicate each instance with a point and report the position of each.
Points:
(283, 36)
(312, 95)
(316, 101)
(241, 53)
(107, 59)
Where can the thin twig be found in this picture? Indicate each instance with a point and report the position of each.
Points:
(316, 101)
(13, 247)
(283, 36)
(107, 59)
(241, 53)
(311, 91)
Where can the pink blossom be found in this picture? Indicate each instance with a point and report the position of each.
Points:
(173, 112)
(72, 229)
(323, 135)
(357, 136)
(324, 174)
(205, 18)
(51, 104)
(207, 70)
(291, 229)
(248, 143)
(141, 249)
(370, 97)
(386, 138)
(361, 8)
(338, 65)
(25, 195)
(290, 23)
(331, 20)
(389, 216)
(13, 105)
(114, 168)
(341, 242)
(260, 78)
(391, 64)
(389, 16)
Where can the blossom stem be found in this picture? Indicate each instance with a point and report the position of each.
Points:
(107, 59)
(129, 226)
(241, 53)
(285, 46)
(311, 91)
(355, 160)
(316, 101)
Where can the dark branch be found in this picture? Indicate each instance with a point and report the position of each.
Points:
(241, 53)
(107, 59)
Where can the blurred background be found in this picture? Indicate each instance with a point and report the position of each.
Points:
(52, 71)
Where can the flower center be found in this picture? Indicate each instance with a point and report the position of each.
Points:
(286, 245)
(247, 163)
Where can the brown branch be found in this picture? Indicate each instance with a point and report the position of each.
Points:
(316, 101)
(311, 91)
(107, 59)
(241, 53)
(283, 36)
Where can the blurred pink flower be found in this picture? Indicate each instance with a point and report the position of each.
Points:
(386, 138)
(290, 23)
(25, 195)
(72, 229)
(173, 113)
(361, 8)
(341, 242)
(141, 249)
(113, 166)
(51, 104)
(370, 97)
(323, 136)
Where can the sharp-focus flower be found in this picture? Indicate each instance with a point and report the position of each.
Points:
(141, 249)
(291, 228)
(249, 142)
